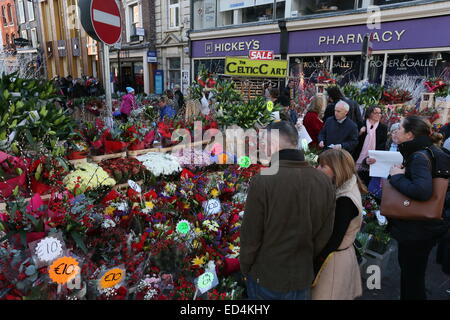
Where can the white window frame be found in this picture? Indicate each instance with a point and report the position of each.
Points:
(21, 11)
(169, 70)
(34, 38)
(30, 7)
(171, 13)
(129, 18)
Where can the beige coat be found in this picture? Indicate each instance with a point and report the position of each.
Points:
(339, 277)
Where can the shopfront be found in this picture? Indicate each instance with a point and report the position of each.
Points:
(410, 47)
(211, 55)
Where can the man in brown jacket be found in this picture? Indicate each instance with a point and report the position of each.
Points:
(287, 222)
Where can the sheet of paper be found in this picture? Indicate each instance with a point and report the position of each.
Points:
(384, 162)
(303, 134)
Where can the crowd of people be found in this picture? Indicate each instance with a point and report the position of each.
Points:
(79, 87)
(299, 227)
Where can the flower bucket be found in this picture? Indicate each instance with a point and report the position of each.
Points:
(7, 187)
(137, 146)
(77, 155)
(115, 146)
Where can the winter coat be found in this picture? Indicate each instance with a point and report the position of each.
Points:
(417, 184)
(287, 222)
(381, 140)
(313, 125)
(339, 277)
(128, 104)
(345, 133)
(354, 113)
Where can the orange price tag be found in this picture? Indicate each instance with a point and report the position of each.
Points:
(63, 270)
(111, 278)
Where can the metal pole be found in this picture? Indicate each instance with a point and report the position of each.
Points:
(107, 83)
(366, 69)
(274, 10)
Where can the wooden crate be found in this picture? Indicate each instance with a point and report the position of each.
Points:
(98, 159)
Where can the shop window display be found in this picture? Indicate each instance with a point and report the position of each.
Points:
(309, 67)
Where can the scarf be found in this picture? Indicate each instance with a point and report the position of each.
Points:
(370, 142)
(350, 189)
(409, 147)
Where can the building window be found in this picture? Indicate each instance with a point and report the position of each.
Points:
(5, 22)
(174, 67)
(10, 15)
(30, 10)
(24, 34)
(21, 11)
(135, 18)
(174, 13)
(34, 40)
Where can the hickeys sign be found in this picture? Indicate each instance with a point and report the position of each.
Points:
(256, 68)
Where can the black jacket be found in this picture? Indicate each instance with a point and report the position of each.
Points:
(416, 183)
(345, 133)
(381, 140)
(354, 113)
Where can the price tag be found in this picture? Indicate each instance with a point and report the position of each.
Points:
(212, 207)
(270, 106)
(381, 219)
(112, 277)
(207, 281)
(183, 227)
(244, 162)
(48, 249)
(63, 270)
(133, 185)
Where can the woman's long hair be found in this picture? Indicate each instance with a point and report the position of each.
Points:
(419, 126)
(343, 166)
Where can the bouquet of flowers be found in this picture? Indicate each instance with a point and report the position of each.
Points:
(47, 174)
(437, 86)
(87, 176)
(160, 163)
(102, 139)
(395, 96)
(123, 170)
(12, 175)
(137, 135)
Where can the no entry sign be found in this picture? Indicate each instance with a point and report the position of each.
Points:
(101, 20)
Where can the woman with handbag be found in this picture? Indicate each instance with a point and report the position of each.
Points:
(373, 136)
(416, 237)
(338, 275)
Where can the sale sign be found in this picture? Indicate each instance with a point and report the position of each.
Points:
(261, 55)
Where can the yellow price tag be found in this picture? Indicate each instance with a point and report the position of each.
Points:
(270, 106)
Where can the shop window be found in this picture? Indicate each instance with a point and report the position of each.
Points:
(205, 14)
(24, 34)
(138, 76)
(174, 13)
(347, 68)
(30, 7)
(34, 39)
(418, 65)
(21, 11)
(215, 66)
(5, 22)
(309, 68)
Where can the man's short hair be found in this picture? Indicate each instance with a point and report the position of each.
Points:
(287, 130)
(343, 104)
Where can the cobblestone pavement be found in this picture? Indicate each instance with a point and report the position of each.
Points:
(437, 282)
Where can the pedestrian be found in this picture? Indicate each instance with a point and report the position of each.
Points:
(391, 141)
(415, 238)
(128, 103)
(313, 120)
(372, 136)
(166, 110)
(339, 131)
(335, 95)
(337, 268)
(179, 97)
(288, 220)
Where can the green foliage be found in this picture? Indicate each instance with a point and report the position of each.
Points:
(30, 108)
(246, 115)
(367, 96)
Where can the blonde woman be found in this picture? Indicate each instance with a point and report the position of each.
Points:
(313, 119)
(338, 276)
